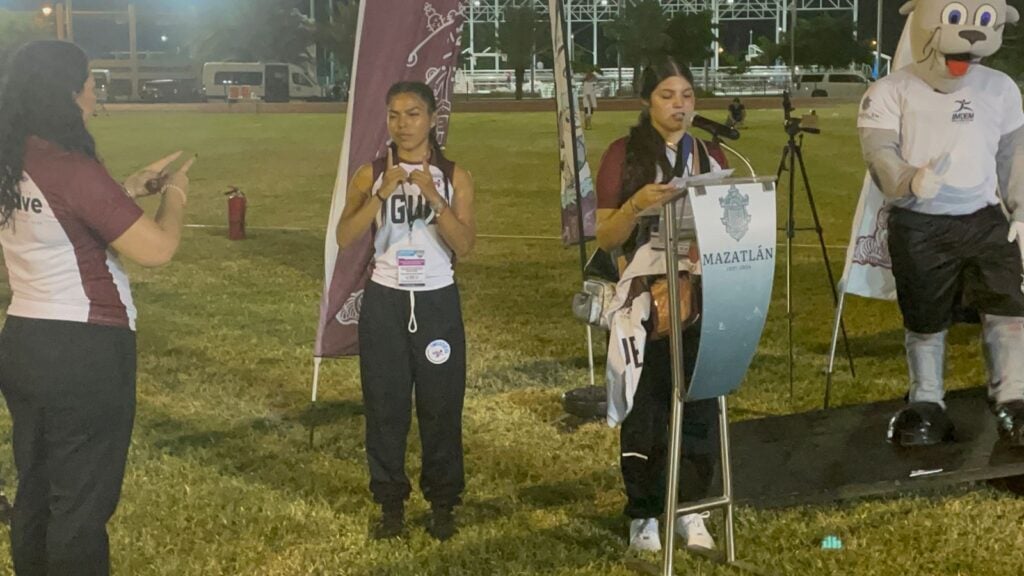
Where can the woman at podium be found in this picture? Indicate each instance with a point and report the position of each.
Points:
(634, 175)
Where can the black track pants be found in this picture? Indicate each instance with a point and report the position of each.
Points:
(393, 362)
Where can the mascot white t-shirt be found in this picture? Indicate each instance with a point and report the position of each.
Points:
(966, 123)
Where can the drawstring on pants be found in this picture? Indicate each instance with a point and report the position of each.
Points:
(412, 313)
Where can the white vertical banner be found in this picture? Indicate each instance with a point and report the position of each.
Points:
(868, 269)
(578, 198)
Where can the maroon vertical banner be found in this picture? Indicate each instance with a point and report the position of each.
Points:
(397, 40)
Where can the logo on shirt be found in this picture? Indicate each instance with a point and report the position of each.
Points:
(402, 208)
(866, 113)
(963, 112)
(28, 204)
(631, 352)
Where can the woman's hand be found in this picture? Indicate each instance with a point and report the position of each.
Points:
(393, 176)
(650, 195)
(178, 180)
(425, 181)
(151, 179)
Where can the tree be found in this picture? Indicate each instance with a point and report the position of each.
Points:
(482, 35)
(737, 63)
(828, 41)
(253, 31)
(638, 33)
(517, 39)
(771, 52)
(1010, 58)
(690, 37)
(17, 28)
(338, 36)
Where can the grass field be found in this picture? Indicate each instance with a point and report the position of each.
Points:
(221, 479)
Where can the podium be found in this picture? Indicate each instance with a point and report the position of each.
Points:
(736, 233)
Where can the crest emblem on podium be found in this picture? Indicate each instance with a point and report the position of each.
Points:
(735, 216)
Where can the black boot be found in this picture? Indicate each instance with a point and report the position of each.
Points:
(442, 523)
(920, 424)
(1010, 421)
(391, 523)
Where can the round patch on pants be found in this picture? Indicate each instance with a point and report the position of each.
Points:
(439, 351)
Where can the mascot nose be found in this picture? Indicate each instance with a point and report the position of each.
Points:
(972, 36)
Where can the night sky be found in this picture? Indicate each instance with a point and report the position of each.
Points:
(101, 35)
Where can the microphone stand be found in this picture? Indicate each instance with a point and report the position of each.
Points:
(715, 139)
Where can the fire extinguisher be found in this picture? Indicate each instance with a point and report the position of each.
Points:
(236, 213)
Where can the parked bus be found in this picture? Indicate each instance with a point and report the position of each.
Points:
(269, 82)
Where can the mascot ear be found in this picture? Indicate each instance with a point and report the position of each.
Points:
(1012, 16)
(908, 7)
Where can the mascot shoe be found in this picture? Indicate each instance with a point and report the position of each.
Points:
(920, 424)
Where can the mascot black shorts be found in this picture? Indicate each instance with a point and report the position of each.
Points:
(939, 260)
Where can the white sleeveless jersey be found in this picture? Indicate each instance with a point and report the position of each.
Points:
(394, 233)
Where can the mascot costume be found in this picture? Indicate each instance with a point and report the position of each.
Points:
(944, 140)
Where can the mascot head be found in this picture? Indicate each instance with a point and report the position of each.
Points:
(948, 36)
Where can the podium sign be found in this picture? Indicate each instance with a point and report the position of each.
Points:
(736, 233)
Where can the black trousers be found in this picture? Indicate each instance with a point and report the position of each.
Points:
(70, 388)
(644, 437)
(943, 263)
(393, 362)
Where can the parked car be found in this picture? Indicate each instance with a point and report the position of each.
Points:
(838, 84)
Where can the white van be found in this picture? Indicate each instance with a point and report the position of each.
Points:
(842, 84)
(269, 82)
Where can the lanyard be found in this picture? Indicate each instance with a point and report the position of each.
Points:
(683, 152)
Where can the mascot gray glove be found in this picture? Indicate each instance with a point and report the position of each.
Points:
(1017, 234)
(928, 179)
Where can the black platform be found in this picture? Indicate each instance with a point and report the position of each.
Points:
(828, 455)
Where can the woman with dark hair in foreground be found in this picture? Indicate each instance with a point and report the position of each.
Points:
(67, 350)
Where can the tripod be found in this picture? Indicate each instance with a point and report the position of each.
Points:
(793, 159)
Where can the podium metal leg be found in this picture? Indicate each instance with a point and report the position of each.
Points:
(678, 386)
(723, 427)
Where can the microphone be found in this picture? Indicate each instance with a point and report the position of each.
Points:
(714, 128)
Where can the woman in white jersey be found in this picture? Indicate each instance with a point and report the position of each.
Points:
(419, 207)
(633, 176)
(67, 351)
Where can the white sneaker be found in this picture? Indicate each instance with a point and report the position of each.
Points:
(691, 528)
(643, 535)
